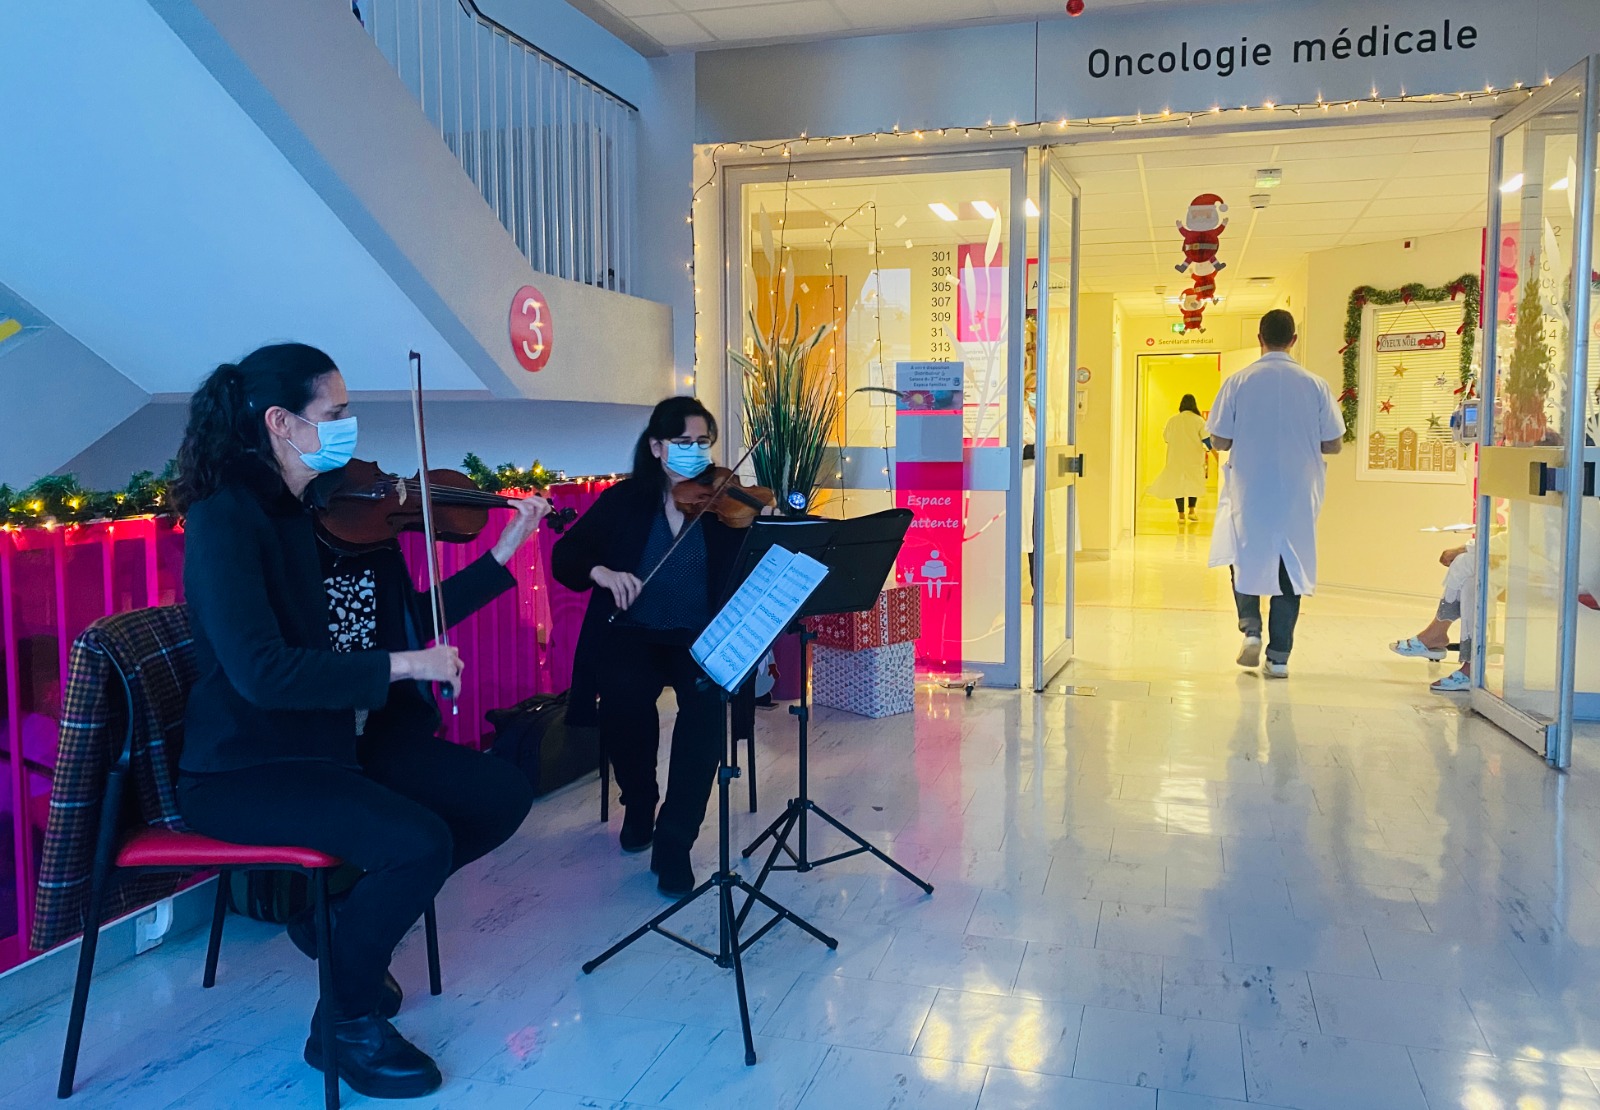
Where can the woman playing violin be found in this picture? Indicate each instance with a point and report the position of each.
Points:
(631, 659)
(310, 722)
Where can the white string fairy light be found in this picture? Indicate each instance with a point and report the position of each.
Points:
(796, 148)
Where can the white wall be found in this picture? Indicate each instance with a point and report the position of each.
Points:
(576, 437)
(149, 218)
(60, 396)
(1041, 71)
(663, 91)
(1398, 556)
(383, 169)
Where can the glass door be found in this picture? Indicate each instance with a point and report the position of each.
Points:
(1533, 481)
(1056, 464)
(907, 271)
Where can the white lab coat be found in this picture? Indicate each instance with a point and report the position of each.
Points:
(1278, 414)
(1185, 472)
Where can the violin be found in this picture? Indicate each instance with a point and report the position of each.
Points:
(717, 490)
(360, 507)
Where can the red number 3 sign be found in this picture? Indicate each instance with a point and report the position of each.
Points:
(532, 329)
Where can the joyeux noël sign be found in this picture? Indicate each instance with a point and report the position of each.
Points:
(1411, 341)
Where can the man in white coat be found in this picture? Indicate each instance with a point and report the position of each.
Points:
(1276, 420)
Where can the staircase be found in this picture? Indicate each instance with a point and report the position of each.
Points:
(552, 152)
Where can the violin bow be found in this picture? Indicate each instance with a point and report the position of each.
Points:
(425, 489)
(717, 491)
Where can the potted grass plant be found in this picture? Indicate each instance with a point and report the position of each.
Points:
(790, 409)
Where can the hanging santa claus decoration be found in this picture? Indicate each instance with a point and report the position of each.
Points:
(1202, 232)
(1204, 281)
(1193, 310)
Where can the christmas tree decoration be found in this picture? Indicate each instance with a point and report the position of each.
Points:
(1400, 369)
(1530, 369)
(1466, 288)
(1386, 406)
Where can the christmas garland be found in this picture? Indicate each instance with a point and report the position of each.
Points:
(60, 499)
(1465, 287)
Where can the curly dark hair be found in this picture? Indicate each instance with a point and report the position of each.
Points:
(226, 413)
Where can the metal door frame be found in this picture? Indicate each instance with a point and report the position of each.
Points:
(1046, 667)
(1551, 739)
(1007, 673)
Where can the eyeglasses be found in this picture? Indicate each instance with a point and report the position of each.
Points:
(684, 441)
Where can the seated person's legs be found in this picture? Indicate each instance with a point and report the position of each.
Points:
(405, 852)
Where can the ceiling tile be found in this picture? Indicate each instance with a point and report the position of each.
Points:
(631, 9)
(673, 30)
(773, 20)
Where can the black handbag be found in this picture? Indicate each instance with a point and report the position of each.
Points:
(534, 736)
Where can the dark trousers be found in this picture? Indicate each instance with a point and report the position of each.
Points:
(1192, 501)
(635, 673)
(419, 810)
(1281, 619)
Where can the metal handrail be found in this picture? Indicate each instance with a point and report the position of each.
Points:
(552, 151)
(478, 13)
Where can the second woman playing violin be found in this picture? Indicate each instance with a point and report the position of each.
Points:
(629, 661)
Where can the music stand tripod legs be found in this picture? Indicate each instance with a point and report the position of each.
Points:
(730, 945)
(793, 818)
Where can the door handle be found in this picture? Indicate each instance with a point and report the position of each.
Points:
(1547, 479)
(1069, 464)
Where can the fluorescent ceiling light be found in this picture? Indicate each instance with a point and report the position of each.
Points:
(1562, 184)
(1512, 184)
(942, 211)
(985, 209)
(1031, 209)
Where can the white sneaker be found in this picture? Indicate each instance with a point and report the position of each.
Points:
(1250, 652)
(1275, 670)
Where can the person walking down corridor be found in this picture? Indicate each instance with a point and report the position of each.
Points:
(1276, 420)
(1184, 477)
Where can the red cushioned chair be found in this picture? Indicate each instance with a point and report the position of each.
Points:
(163, 849)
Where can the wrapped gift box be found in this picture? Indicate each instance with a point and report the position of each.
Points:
(896, 619)
(876, 682)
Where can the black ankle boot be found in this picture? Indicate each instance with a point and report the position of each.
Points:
(638, 828)
(670, 862)
(375, 1059)
(302, 930)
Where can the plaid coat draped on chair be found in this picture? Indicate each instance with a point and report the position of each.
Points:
(153, 650)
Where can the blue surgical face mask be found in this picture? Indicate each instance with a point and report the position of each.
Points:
(336, 444)
(688, 459)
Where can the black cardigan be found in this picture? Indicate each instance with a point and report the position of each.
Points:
(270, 687)
(613, 533)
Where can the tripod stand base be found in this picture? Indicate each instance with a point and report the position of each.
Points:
(731, 946)
(781, 830)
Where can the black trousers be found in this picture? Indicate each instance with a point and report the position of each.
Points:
(634, 674)
(1281, 618)
(419, 810)
(1192, 500)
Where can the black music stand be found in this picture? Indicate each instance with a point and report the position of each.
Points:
(860, 554)
(730, 946)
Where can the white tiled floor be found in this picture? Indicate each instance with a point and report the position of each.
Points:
(1194, 891)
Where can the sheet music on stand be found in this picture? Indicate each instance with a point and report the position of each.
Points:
(757, 613)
